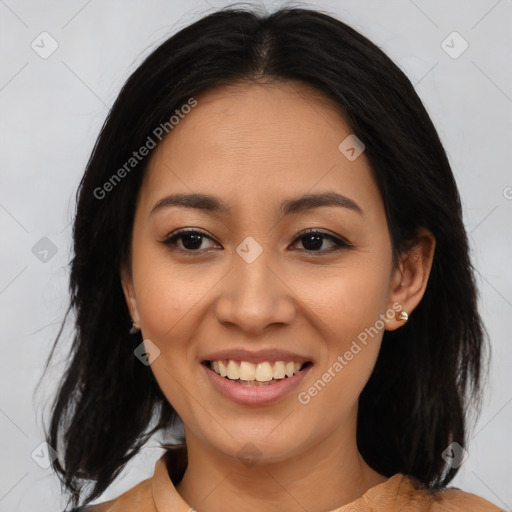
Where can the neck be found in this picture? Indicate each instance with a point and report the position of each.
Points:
(213, 480)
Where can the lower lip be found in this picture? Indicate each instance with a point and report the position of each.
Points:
(255, 395)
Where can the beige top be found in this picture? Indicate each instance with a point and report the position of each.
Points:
(399, 493)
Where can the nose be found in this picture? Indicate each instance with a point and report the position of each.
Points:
(253, 297)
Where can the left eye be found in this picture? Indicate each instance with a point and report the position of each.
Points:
(312, 241)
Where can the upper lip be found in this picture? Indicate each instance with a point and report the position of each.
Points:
(255, 356)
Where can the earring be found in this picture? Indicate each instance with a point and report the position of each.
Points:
(134, 329)
(402, 316)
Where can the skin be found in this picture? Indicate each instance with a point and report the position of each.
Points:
(253, 146)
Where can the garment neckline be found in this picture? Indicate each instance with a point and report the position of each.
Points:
(171, 467)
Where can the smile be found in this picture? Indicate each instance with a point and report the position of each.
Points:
(264, 373)
(255, 383)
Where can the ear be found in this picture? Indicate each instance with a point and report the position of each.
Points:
(409, 279)
(129, 294)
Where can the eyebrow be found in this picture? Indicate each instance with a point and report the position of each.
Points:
(213, 204)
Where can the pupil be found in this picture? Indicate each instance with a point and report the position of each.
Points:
(316, 245)
(196, 241)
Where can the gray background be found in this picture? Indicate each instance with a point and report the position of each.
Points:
(52, 109)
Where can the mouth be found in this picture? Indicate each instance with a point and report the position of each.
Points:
(264, 373)
(264, 380)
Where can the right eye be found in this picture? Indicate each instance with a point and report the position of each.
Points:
(187, 241)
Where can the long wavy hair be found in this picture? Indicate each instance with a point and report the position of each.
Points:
(429, 372)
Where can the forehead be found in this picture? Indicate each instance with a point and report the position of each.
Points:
(246, 139)
(250, 120)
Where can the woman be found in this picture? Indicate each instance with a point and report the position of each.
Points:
(270, 206)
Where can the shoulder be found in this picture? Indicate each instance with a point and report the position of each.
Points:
(101, 507)
(407, 494)
(94, 508)
(136, 499)
(455, 500)
(450, 499)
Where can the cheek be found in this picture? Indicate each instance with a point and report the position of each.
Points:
(348, 305)
(168, 300)
(347, 298)
(349, 311)
(166, 293)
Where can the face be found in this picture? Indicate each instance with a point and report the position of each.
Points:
(262, 275)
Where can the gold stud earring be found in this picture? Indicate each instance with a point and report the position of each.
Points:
(402, 316)
(134, 329)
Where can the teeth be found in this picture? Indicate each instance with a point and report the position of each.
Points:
(279, 370)
(264, 372)
(232, 370)
(247, 371)
(261, 372)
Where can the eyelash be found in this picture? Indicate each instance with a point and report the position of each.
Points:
(171, 241)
